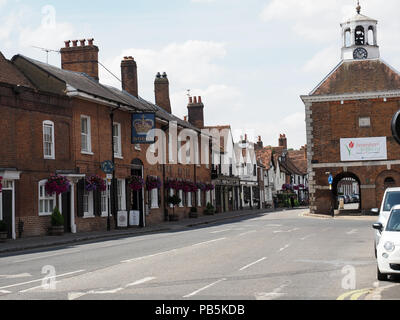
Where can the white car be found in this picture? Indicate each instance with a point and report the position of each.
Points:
(388, 248)
(390, 199)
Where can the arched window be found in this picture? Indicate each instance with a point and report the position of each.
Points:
(371, 36)
(347, 38)
(360, 36)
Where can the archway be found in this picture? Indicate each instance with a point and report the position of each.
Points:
(347, 186)
(136, 202)
(386, 179)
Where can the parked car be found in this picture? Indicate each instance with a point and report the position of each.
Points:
(388, 249)
(348, 199)
(390, 199)
(355, 198)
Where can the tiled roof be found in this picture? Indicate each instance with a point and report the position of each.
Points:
(10, 74)
(358, 77)
(265, 157)
(83, 83)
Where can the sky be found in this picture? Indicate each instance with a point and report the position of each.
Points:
(249, 60)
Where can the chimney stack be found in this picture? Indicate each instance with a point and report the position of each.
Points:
(260, 144)
(129, 76)
(196, 112)
(283, 141)
(83, 58)
(161, 89)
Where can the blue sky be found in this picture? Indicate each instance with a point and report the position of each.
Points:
(249, 60)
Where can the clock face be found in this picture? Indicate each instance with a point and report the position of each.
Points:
(360, 53)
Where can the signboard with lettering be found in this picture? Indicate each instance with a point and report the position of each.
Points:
(142, 128)
(363, 149)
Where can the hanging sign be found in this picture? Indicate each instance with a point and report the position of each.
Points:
(143, 125)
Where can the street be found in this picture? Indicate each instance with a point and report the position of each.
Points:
(281, 255)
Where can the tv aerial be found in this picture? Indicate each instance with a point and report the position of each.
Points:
(47, 52)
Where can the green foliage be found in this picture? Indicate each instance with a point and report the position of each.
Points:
(296, 203)
(174, 200)
(3, 226)
(210, 210)
(57, 220)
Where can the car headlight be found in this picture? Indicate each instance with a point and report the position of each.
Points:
(389, 246)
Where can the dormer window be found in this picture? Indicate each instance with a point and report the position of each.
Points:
(360, 36)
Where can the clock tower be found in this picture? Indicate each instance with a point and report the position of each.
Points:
(359, 35)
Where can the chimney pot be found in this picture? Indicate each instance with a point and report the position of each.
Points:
(190, 100)
(200, 100)
(195, 100)
(90, 42)
(67, 43)
(158, 75)
(75, 43)
(164, 75)
(83, 42)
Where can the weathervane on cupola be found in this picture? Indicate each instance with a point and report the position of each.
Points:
(360, 39)
(358, 8)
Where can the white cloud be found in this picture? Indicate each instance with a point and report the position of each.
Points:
(324, 61)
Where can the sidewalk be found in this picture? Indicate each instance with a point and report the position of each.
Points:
(49, 241)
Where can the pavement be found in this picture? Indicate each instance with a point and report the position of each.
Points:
(29, 243)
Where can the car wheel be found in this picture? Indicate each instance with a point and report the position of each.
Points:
(376, 252)
(381, 276)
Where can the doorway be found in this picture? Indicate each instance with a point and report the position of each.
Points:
(7, 210)
(137, 197)
(347, 192)
(66, 211)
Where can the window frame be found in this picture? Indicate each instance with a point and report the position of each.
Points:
(90, 212)
(88, 135)
(45, 197)
(117, 153)
(48, 123)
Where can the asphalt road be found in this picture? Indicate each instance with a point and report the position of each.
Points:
(281, 255)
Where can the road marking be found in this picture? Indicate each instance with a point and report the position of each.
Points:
(276, 294)
(204, 288)
(220, 231)
(284, 248)
(31, 289)
(306, 237)
(4, 292)
(252, 264)
(355, 293)
(75, 295)
(352, 231)
(47, 256)
(288, 231)
(207, 242)
(140, 282)
(16, 276)
(170, 251)
(246, 233)
(33, 281)
(360, 294)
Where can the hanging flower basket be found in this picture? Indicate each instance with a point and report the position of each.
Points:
(171, 184)
(192, 186)
(202, 186)
(210, 187)
(57, 185)
(94, 183)
(153, 183)
(186, 187)
(136, 183)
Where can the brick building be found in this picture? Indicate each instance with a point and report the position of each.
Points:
(88, 120)
(348, 118)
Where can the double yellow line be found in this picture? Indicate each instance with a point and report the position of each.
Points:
(356, 294)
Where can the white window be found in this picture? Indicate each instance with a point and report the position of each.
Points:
(47, 203)
(121, 195)
(48, 140)
(154, 198)
(86, 143)
(117, 140)
(199, 198)
(88, 209)
(104, 203)
(189, 200)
